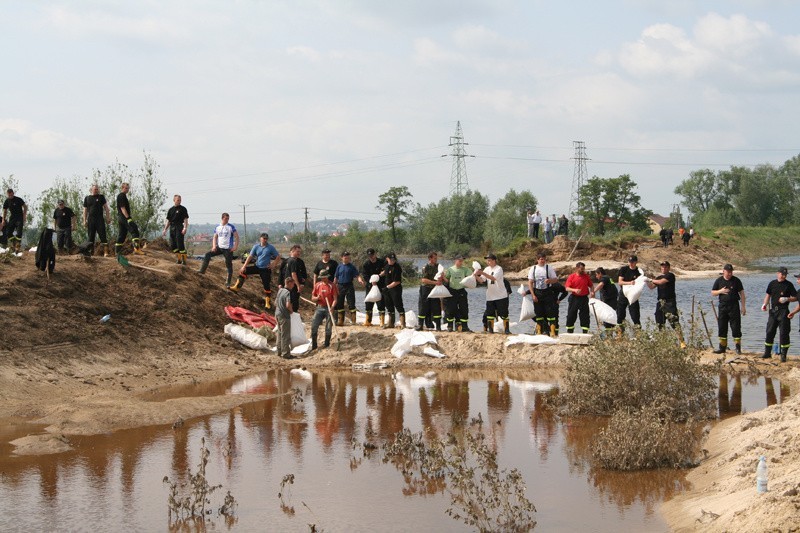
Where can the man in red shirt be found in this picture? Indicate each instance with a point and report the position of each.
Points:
(580, 287)
(324, 294)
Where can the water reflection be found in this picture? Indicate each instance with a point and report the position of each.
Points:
(306, 428)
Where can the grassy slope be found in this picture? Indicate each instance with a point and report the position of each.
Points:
(752, 243)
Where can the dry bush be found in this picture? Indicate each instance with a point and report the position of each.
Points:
(631, 373)
(638, 440)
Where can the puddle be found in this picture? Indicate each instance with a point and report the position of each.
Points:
(115, 481)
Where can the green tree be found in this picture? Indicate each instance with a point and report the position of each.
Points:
(454, 224)
(699, 191)
(395, 202)
(507, 219)
(611, 203)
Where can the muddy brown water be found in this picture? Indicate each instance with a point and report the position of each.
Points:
(114, 482)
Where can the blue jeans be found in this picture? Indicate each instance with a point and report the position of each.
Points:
(320, 314)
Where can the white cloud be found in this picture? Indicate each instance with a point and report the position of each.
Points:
(664, 49)
(89, 23)
(305, 52)
(19, 139)
(481, 38)
(735, 35)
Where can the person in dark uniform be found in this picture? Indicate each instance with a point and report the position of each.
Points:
(346, 273)
(667, 305)
(540, 278)
(325, 263)
(296, 269)
(95, 217)
(125, 223)
(15, 211)
(393, 293)
(178, 225)
(780, 292)
(606, 289)
(374, 265)
(627, 276)
(730, 291)
(430, 310)
(64, 223)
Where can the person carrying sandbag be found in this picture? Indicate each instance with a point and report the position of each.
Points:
(374, 266)
(457, 304)
(393, 293)
(429, 309)
(540, 278)
(627, 276)
(496, 294)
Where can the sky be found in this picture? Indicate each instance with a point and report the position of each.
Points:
(283, 105)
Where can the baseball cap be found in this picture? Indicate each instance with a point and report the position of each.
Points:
(728, 267)
(784, 271)
(265, 235)
(633, 259)
(370, 251)
(326, 251)
(324, 273)
(491, 256)
(345, 253)
(60, 202)
(665, 263)
(457, 257)
(391, 255)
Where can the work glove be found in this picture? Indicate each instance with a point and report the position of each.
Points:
(783, 299)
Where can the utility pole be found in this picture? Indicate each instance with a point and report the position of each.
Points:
(579, 177)
(244, 215)
(305, 229)
(458, 174)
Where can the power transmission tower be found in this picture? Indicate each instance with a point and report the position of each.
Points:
(244, 215)
(305, 229)
(458, 175)
(579, 177)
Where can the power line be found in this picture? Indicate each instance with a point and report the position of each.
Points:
(623, 149)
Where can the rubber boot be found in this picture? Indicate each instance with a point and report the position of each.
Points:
(368, 319)
(314, 343)
(340, 318)
(238, 285)
(382, 316)
(178, 256)
(327, 341)
(402, 321)
(767, 352)
(105, 251)
(463, 327)
(784, 353)
(204, 265)
(450, 325)
(490, 325)
(117, 248)
(228, 280)
(553, 330)
(437, 323)
(419, 327)
(506, 330)
(137, 249)
(353, 316)
(389, 323)
(738, 348)
(267, 299)
(722, 348)
(538, 328)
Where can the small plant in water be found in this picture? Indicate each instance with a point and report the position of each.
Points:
(286, 483)
(188, 502)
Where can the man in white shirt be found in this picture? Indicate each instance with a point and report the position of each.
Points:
(496, 294)
(224, 243)
(537, 222)
(540, 277)
(530, 224)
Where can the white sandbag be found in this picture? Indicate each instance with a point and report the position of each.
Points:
(527, 311)
(33, 249)
(439, 273)
(634, 292)
(408, 338)
(433, 352)
(605, 313)
(247, 337)
(298, 331)
(401, 347)
(375, 278)
(470, 282)
(499, 327)
(412, 320)
(374, 295)
(440, 291)
(301, 349)
(522, 289)
(530, 339)
(476, 265)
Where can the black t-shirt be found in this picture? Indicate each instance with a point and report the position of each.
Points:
(609, 290)
(330, 266)
(559, 290)
(63, 217)
(14, 205)
(370, 268)
(393, 273)
(122, 201)
(176, 215)
(734, 284)
(295, 265)
(629, 274)
(776, 289)
(94, 205)
(667, 290)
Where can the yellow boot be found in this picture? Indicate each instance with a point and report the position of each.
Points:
(238, 285)
(353, 317)
(553, 331)
(382, 316)
(368, 320)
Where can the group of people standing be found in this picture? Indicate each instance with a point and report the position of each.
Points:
(667, 235)
(548, 228)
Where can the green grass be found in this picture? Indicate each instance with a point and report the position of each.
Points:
(752, 242)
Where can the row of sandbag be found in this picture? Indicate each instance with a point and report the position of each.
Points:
(439, 291)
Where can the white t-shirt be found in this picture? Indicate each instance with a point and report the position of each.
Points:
(225, 236)
(530, 218)
(495, 290)
(539, 274)
(537, 219)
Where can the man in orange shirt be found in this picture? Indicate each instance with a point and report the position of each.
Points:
(324, 294)
(580, 287)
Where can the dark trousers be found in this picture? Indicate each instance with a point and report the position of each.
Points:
(394, 300)
(430, 309)
(227, 254)
(177, 239)
(346, 292)
(96, 226)
(633, 308)
(458, 307)
(12, 230)
(536, 231)
(497, 309)
(264, 273)
(778, 319)
(124, 227)
(546, 308)
(369, 306)
(64, 239)
(666, 310)
(729, 314)
(294, 297)
(578, 306)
